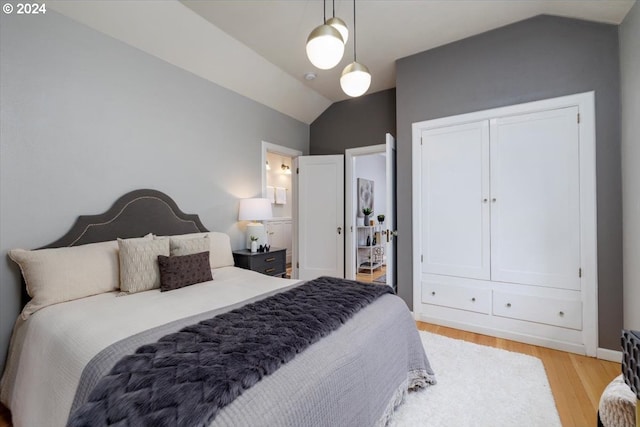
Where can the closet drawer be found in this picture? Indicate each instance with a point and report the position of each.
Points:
(457, 296)
(550, 311)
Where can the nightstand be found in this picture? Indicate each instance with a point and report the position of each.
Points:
(272, 263)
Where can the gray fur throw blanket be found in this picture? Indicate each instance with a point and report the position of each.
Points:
(185, 378)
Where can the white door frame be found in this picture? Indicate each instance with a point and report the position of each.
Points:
(388, 148)
(350, 200)
(277, 149)
(293, 153)
(588, 208)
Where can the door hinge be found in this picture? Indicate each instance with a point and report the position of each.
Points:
(297, 265)
(421, 258)
(580, 272)
(297, 171)
(421, 140)
(578, 117)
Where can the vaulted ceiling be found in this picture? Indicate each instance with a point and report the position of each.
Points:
(257, 48)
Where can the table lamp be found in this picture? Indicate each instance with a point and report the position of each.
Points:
(254, 210)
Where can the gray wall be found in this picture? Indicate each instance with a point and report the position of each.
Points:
(86, 118)
(358, 122)
(630, 93)
(543, 57)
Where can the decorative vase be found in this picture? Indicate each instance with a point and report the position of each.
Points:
(254, 246)
(366, 220)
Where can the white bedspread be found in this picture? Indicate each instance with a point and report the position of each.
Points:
(51, 348)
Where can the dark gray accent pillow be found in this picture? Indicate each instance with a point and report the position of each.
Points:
(180, 271)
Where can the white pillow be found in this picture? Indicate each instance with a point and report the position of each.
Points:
(57, 275)
(220, 254)
(180, 247)
(139, 270)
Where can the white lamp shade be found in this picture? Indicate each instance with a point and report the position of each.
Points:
(355, 79)
(257, 209)
(325, 47)
(339, 25)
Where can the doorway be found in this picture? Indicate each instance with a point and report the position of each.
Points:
(370, 189)
(277, 186)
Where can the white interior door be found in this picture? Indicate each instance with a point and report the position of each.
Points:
(320, 187)
(535, 194)
(390, 220)
(455, 207)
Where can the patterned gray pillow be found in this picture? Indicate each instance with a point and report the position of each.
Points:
(139, 263)
(179, 271)
(181, 247)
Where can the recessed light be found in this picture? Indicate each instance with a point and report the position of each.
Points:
(310, 76)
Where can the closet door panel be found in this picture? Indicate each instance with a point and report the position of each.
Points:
(535, 204)
(455, 211)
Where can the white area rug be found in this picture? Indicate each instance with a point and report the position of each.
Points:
(479, 386)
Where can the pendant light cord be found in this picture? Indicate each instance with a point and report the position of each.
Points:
(324, 12)
(334, 8)
(354, 31)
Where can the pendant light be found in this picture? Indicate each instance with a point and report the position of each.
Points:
(325, 45)
(355, 79)
(339, 25)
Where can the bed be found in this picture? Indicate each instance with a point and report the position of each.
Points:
(356, 375)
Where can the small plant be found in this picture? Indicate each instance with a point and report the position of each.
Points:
(380, 218)
(253, 238)
(367, 211)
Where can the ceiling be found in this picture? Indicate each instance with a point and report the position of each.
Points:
(257, 47)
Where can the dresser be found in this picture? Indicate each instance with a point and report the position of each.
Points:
(272, 263)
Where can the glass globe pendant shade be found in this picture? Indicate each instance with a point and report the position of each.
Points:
(339, 25)
(355, 80)
(325, 47)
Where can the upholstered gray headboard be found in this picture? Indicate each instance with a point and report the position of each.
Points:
(133, 215)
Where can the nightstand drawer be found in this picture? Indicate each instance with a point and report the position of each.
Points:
(272, 263)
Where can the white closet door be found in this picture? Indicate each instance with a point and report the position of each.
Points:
(535, 194)
(455, 211)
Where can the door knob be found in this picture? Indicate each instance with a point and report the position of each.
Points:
(339, 230)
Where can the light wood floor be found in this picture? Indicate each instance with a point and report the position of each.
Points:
(370, 277)
(576, 381)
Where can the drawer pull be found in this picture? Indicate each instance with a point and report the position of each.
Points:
(508, 304)
(270, 270)
(561, 313)
(473, 299)
(433, 293)
(270, 259)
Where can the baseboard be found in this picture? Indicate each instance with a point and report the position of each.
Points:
(610, 355)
